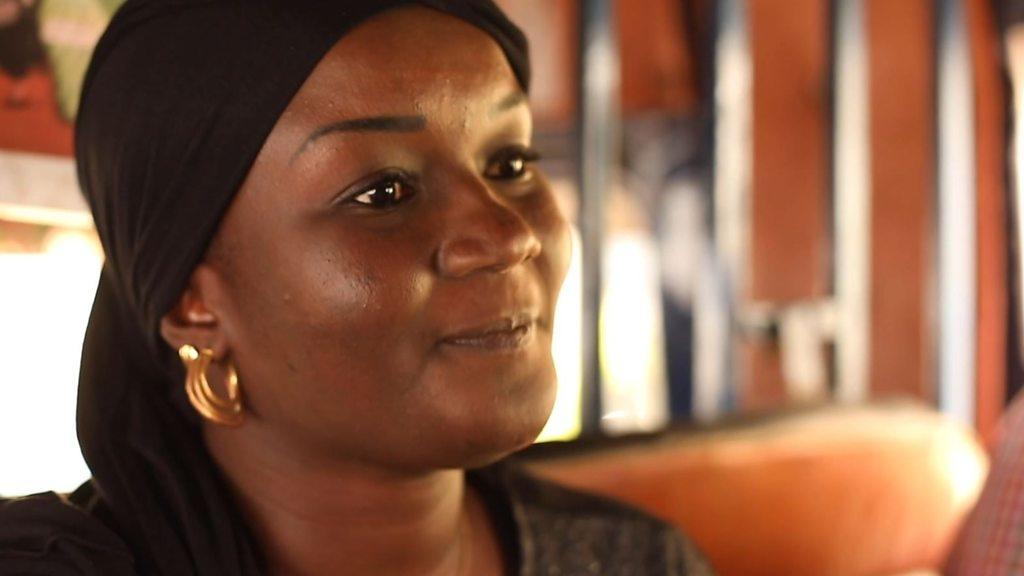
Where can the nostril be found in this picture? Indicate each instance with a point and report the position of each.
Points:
(468, 253)
(535, 247)
(485, 232)
(532, 247)
(460, 256)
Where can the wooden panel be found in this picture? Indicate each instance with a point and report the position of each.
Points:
(659, 64)
(790, 45)
(902, 77)
(790, 249)
(551, 26)
(992, 232)
(658, 70)
(764, 388)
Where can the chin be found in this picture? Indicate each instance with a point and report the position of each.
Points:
(510, 428)
(501, 445)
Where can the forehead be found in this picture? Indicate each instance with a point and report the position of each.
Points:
(408, 60)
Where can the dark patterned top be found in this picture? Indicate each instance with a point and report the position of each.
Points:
(546, 530)
(991, 542)
(562, 532)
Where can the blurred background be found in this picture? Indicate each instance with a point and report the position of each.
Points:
(782, 207)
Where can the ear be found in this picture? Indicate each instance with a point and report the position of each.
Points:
(193, 319)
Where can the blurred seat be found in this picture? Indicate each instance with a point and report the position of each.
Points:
(836, 491)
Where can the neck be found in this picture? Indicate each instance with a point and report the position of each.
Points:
(314, 516)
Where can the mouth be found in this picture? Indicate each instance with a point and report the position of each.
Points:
(507, 333)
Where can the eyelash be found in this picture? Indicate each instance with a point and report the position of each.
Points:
(524, 155)
(401, 185)
(390, 183)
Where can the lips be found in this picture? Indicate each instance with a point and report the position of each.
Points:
(507, 332)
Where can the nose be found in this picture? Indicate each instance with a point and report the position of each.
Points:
(485, 233)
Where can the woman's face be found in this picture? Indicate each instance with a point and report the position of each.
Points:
(385, 280)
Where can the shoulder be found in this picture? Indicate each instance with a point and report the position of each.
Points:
(566, 531)
(56, 535)
(993, 534)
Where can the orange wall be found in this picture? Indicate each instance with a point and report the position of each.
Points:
(901, 57)
(790, 251)
(992, 233)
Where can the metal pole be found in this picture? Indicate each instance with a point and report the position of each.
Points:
(1014, 54)
(852, 206)
(599, 139)
(717, 366)
(956, 221)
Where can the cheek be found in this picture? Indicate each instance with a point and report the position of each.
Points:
(334, 338)
(354, 298)
(329, 332)
(556, 239)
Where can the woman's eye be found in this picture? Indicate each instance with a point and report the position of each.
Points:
(511, 164)
(384, 194)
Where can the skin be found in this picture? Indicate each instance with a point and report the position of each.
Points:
(359, 416)
(12, 10)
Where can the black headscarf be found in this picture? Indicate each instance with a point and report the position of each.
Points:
(177, 102)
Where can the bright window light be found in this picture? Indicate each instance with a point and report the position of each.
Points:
(45, 299)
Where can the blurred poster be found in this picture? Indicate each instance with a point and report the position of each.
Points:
(44, 49)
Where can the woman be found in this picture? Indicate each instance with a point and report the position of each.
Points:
(991, 540)
(330, 280)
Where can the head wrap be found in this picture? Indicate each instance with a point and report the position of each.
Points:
(177, 102)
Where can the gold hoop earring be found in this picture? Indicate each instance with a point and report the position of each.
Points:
(214, 408)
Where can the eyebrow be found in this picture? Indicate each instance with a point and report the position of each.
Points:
(395, 123)
(508, 102)
(372, 124)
